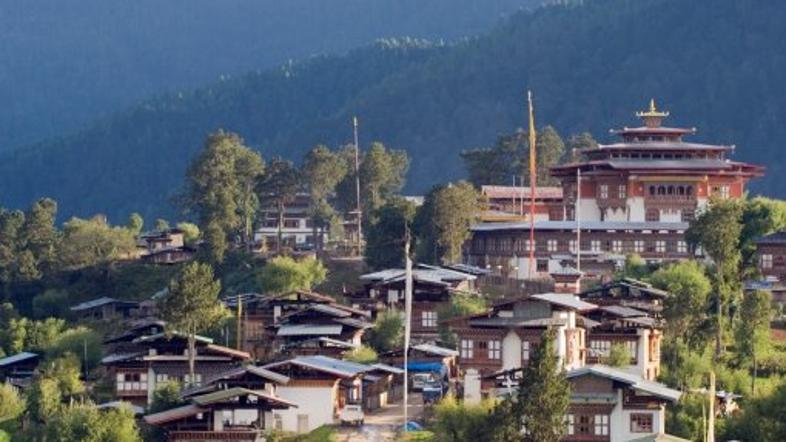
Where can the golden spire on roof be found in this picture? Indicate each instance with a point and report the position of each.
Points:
(652, 117)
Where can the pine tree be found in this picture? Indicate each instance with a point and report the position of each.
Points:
(278, 188)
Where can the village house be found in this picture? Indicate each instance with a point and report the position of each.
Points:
(383, 384)
(297, 230)
(321, 386)
(432, 290)
(236, 414)
(139, 365)
(635, 196)
(297, 323)
(425, 358)
(105, 309)
(18, 369)
(166, 247)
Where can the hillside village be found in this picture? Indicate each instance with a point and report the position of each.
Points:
(635, 293)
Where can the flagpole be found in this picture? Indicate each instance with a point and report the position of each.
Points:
(577, 215)
(407, 320)
(533, 180)
(357, 183)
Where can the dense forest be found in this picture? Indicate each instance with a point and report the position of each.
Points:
(715, 64)
(65, 62)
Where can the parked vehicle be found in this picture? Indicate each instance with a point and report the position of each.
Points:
(419, 380)
(433, 392)
(352, 414)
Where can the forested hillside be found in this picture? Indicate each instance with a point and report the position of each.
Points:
(65, 62)
(716, 64)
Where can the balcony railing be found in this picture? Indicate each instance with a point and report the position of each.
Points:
(214, 436)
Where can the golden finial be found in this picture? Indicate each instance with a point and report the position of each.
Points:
(652, 117)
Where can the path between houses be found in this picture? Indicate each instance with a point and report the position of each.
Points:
(382, 425)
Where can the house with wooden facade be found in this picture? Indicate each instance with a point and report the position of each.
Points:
(432, 290)
(139, 365)
(321, 386)
(18, 369)
(164, 247)
(105, 309)
(231, 414)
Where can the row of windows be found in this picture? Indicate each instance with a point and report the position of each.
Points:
(686, 215)
(766, 261)
(598, 424)
(602, 348)
(493, 349)
(595, 245)
(670, 190)
(288, 223)
(603, 191)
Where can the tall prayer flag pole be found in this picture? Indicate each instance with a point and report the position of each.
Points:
(533, 179)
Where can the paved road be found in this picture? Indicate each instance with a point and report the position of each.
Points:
(384, 424)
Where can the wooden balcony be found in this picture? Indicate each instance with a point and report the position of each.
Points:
(216, 436)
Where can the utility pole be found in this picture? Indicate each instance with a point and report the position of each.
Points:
(357, 183)
(407, 318)
(533, 182)
(239, 337)
(577, 216)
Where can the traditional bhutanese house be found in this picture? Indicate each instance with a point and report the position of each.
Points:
(161, 358)
(297, 332)
(18, 369)
(382, 384)
(167, 247)
(124, 341)
(610, 404)
(504, 338)
(260, 312)
(432, 290)
(771, 260)
(321, 386)
(425, 358)
(512, 203)
(233, 414)
(297, 229)
(104, 309)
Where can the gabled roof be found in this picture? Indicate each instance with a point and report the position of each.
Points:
(101, 302)
(387, 368)
(173, 414)
(632, 380)
(117, 405)
(623, 312)
(309, 330)
(256, 371)
(500, 321)
(337, 367)
(422, 273)
(772, 238)
(19, 357)
(223, 395)
(566, 300)
(435, 350)
(603, 226)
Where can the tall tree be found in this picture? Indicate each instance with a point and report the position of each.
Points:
(284, 274)
(278, 188)
(753, 330)
(575, 142)
(760, 216)
(219, 190)
(541, 401)
(382, 175)
(444, 220)
(717, 230)
(191, 305)
(497, 165)
(40, 235)
(135, 223)
(385, 237)
(93, 241)
(686, 308)
(11, 404)
(11, 222)
(323, 169)
(550, 152)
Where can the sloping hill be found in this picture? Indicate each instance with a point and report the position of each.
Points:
(716, 64)
(65, 62)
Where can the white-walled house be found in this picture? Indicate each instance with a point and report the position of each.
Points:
(613, 405)
(320, 386)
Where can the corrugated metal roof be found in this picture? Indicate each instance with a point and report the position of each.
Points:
(118, 357)
(100, 302)
(308, 330)
(173, 414)
(13, 359)
(435, 349)
(324, 364)
(516, 322)
(356, 323)
(565, 300)
(170, 335)
(621, 311)
(585, 225)
(330, 310)
(633, 380)
(773, 238)
(137, 410)
(223, 395)
(660, 437)
(424, 273)
(387, 368)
